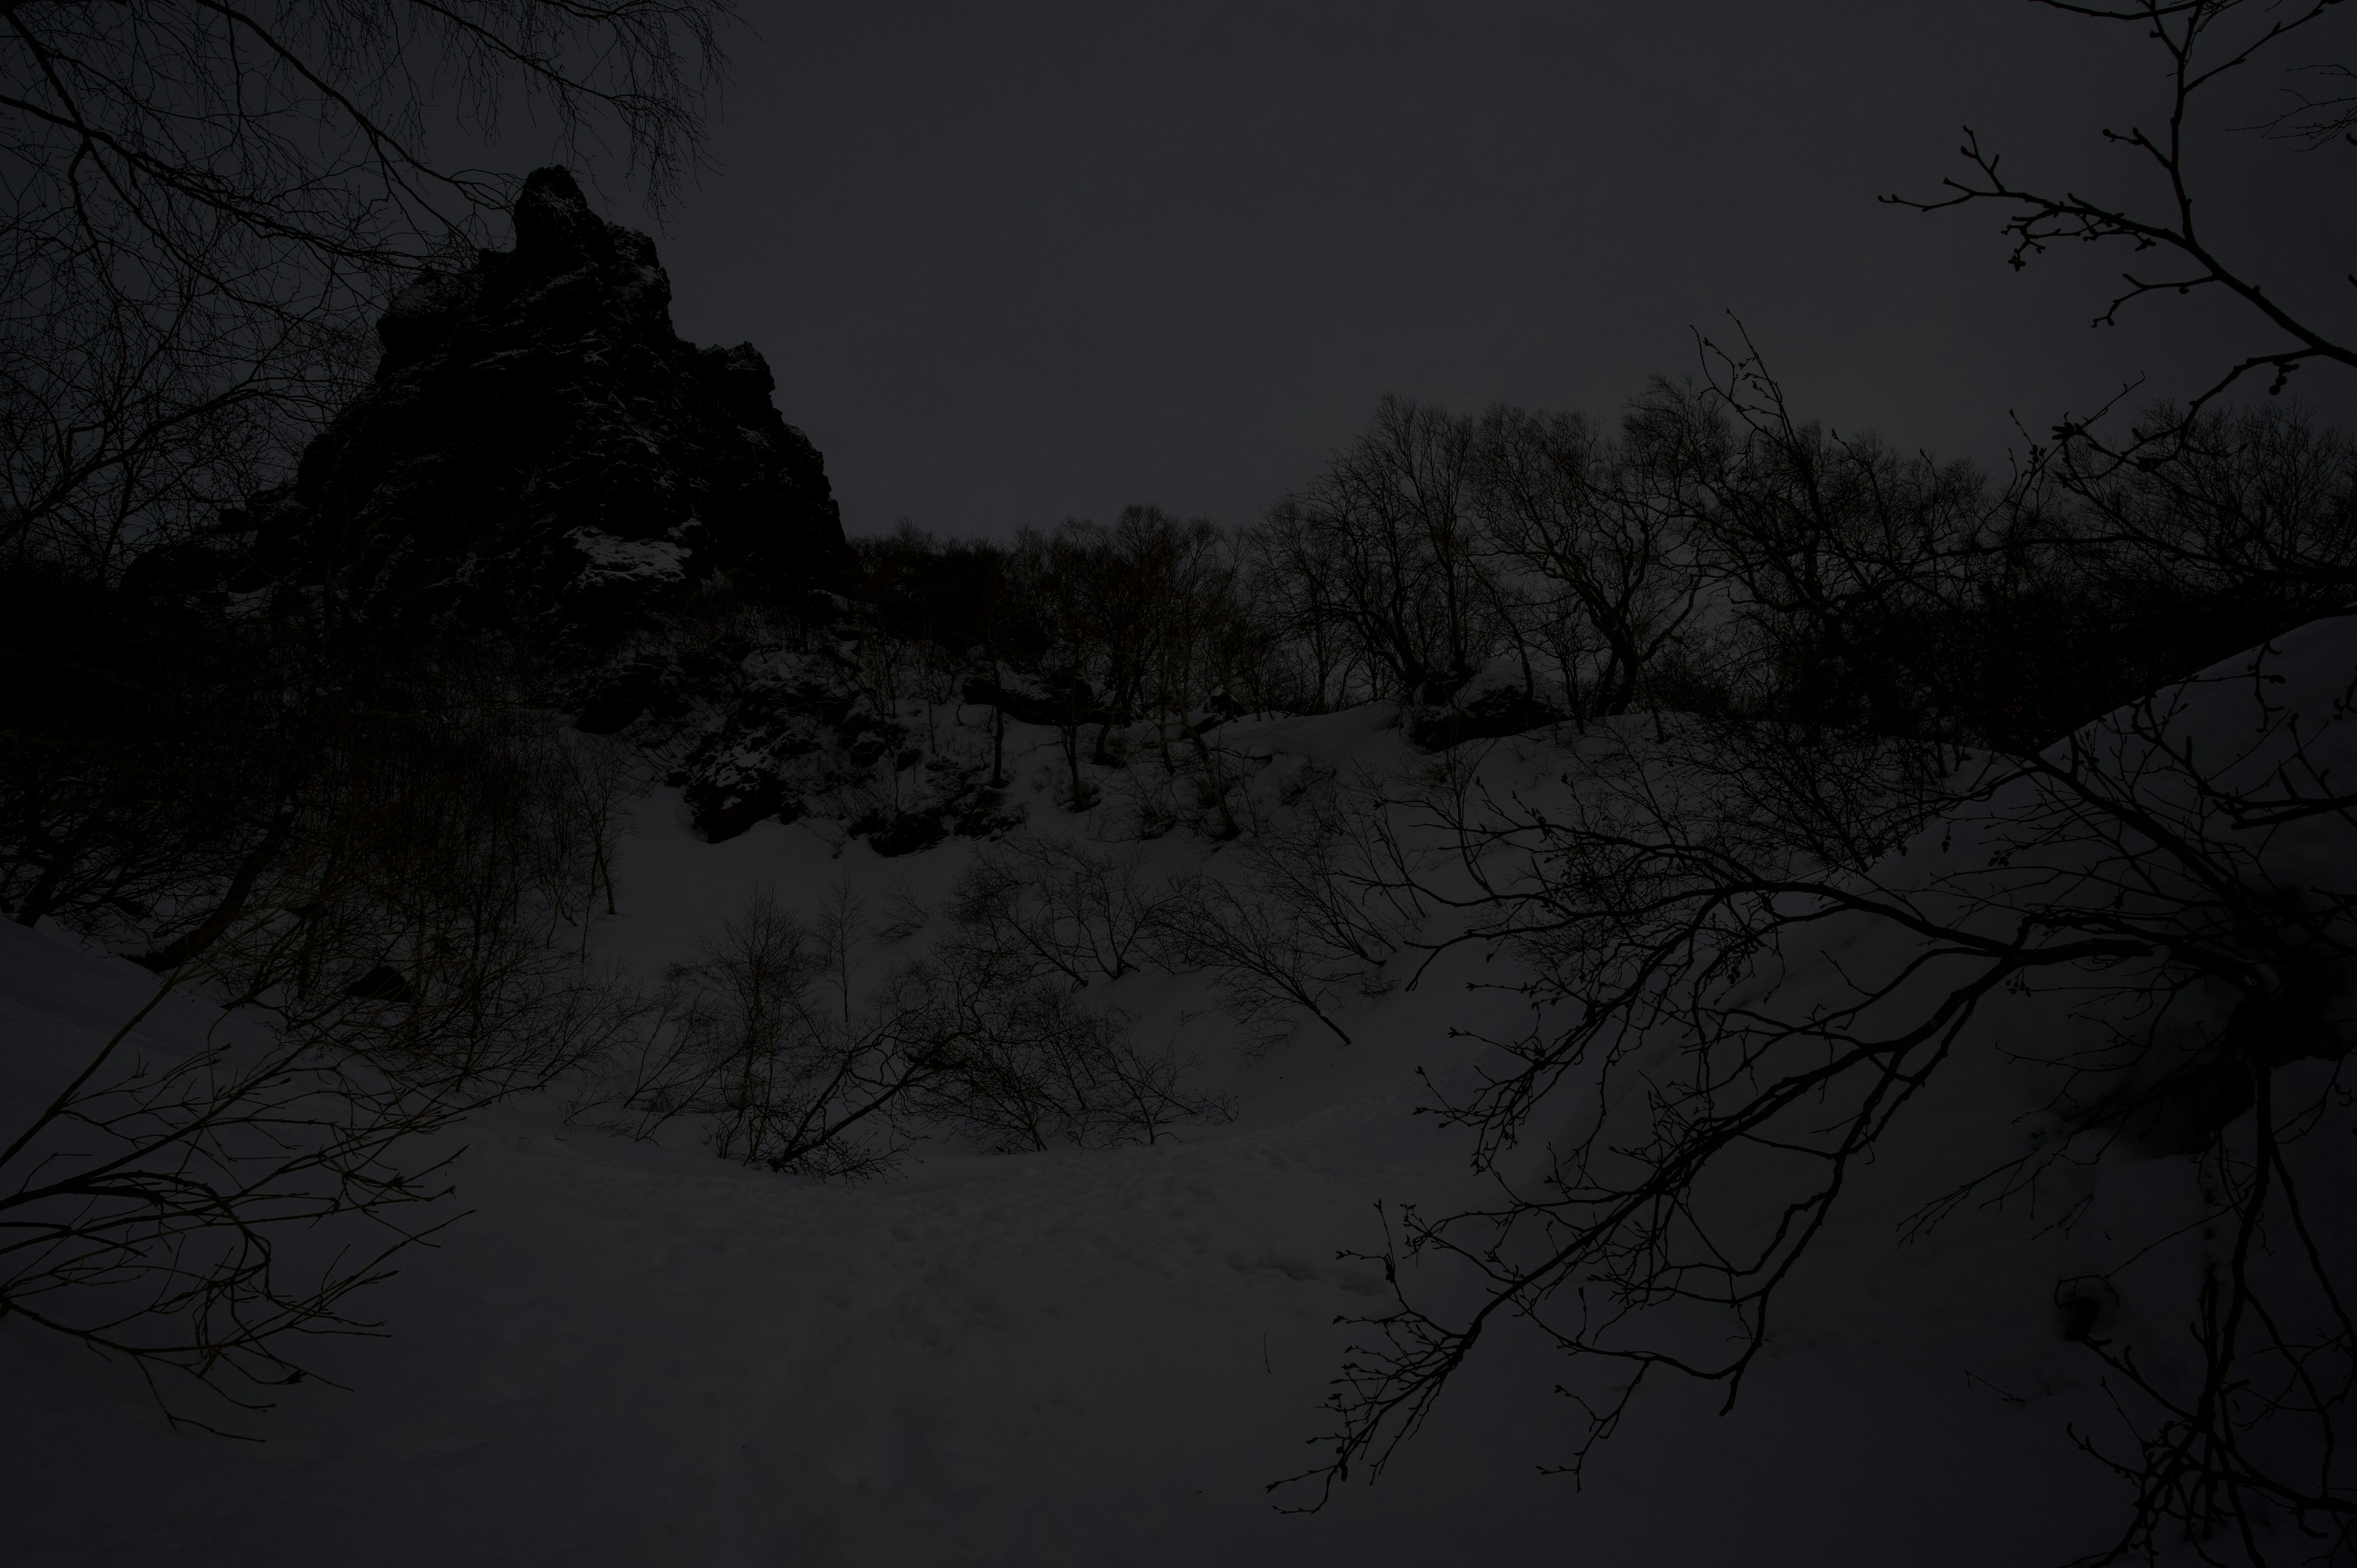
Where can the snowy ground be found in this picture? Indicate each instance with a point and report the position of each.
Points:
(637, 1353)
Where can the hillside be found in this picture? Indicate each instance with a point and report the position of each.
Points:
(633, 1352)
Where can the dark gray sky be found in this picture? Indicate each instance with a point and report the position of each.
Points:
(1017, 264)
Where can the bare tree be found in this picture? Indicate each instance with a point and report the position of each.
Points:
(2157, 870)
(2203, 43)
(1842, 561)
(1037, 1067)
(1295, 586)
(1046, 906)
(791, 1059)
(1307, 908)
(2257, 504)
(781, 1072)
(1387, 532)
(384, 957)
(1060, 577)
(1604, 527)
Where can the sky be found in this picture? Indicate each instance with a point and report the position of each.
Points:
(1012, 264)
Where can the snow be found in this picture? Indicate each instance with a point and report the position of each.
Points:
(633, 1353)
(612, 559)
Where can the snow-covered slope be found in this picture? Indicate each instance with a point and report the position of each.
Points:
(634, 1353)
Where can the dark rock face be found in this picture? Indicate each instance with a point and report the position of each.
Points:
(541, 447)
(1483, 714)
(752, 730)
(541, 457)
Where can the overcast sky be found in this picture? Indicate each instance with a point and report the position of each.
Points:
(1018, 263)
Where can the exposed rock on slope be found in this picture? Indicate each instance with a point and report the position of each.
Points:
(751, 723)
(541, 454)
(539, 444)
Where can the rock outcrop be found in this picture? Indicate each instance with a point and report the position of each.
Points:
(540, 447)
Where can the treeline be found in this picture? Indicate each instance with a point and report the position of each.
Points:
(1708, 552)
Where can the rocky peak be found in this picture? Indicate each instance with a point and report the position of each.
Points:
(539, 445)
